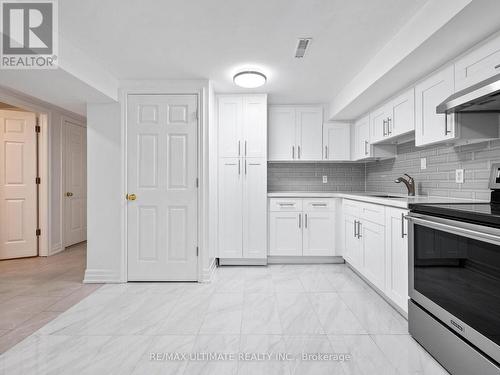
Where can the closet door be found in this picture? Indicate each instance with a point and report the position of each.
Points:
(254, 126)
(309, 133)
(229, 114)
(282, 145)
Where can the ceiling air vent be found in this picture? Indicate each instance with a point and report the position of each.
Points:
(302, 46)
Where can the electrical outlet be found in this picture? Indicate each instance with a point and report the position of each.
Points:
(325, 179)
(459, 176)
(423, 163)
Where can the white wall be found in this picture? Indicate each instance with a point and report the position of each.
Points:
(105, 203)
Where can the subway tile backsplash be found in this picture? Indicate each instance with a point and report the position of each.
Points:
(439, 177)
(309, 177)
(437, 180)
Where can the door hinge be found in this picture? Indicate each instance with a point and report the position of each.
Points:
(38, 232)
(197, 251)
(37, 128)
(37, 180)
(197, 182)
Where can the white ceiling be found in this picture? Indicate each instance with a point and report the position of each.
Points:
(210, 39)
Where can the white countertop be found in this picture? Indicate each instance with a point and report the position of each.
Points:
(402, 201)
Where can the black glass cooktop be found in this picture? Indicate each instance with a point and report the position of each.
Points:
(479, 213)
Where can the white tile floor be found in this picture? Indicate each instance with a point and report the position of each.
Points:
(290, 309)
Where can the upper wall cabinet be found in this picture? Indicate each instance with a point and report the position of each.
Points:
(362, 148)
(431, 127)
(393, 119)
(295, 133)
(242, 126)
(480, 64)
(337, 141)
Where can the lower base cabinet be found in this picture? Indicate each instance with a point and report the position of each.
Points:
(301, 227)
(376, 245)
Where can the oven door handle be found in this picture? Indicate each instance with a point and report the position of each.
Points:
(458, 230)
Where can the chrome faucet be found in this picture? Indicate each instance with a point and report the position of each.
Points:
(410, 184)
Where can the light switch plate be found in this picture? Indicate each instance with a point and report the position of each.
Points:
(459, 176)
(325, 179)
(423, 163)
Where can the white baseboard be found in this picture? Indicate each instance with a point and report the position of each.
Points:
(243, 262)
(305, 260)
(101, 276)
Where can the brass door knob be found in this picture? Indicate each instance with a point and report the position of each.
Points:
(69, 194)
(131, 197)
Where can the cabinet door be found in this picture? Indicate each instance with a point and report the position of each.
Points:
(481, 63)
(230, 208)
(255, 208)
(230, 126)
(431, 127)
(337, 141)
(373, 237)
(362, 138)
(378, 124)
(397, 257)
(319, 238)
(309, 133)
(254, 126)
(402, 114)
(281, 132)
(353, 250)
(285, 234)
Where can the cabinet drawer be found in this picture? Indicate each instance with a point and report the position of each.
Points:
(373, 212)
(351, 207)
(320, 204)
(285, 204)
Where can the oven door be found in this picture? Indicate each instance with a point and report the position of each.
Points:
(454, 273)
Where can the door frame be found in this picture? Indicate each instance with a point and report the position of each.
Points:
(198, 89)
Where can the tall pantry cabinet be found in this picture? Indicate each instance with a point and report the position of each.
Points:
(242, 153)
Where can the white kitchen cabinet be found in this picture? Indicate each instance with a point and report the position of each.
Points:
(254, 174)
(393, 119)
(242, 177)
(373, 238)
(242, 126)
(285, 233)
(353, 245)
(479, 64)
(337, 141)
(432, 127)
(301, 227)
(295, 133)
(230, 208)
(396, 256)
(361, 145)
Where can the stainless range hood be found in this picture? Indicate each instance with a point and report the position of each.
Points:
(481, 97)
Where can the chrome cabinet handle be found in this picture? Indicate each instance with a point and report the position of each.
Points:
(389, 122)
(300, 220)
(239, 168)
(403, 234)
(287, 204)
(298, 152)
(446, 131)
(245, 148)
(366, 147)
(318, 204)
(326, 152)
(355, 224)
(306, 220)
(383, 127)
(239, 143)
(293, 152)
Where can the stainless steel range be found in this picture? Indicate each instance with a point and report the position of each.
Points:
(454, 282)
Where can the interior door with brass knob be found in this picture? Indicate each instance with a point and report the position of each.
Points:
(75, 205)
(162, 199)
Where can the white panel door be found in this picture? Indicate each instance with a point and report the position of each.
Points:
(255, 126)
(75, 196)
(373, 237)
(230, 113)
(432, 127)
(378, 124)
(397, 257)
(281, 131)
(309, 133)
(337, 141)
(285, 237)
(254, 208)
(402, 114)
(162, 132)
(230, 208)
(18, 214)
(319, 229)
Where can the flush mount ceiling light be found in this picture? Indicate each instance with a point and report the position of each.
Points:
(249, 79)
